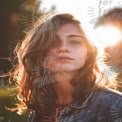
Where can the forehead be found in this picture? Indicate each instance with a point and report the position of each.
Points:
(67, 29)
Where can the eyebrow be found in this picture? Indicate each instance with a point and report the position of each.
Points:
(69, 36)
(75, 36)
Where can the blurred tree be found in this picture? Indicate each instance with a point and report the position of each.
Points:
(16, 17)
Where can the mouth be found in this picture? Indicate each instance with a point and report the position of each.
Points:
(60, 58)
(64, 58)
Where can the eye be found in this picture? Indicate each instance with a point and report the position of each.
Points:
(75, 41)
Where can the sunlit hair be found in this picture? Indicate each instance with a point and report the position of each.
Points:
(31, 54)
(113, 16)
(111, 24)
(108, 30)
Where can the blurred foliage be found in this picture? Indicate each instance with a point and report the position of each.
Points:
(8, 100)
(16, 17)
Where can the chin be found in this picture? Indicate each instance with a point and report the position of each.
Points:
(67, 69)
(64, 68)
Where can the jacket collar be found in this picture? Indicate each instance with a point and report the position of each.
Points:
(81, 105)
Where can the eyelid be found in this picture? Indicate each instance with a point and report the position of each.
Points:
(75, 41)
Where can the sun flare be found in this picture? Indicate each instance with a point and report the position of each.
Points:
(108, 35)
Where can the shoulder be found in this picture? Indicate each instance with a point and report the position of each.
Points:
(108, 92)
(107, 95)
(110, 102)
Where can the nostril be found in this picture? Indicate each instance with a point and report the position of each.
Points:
(63, 48)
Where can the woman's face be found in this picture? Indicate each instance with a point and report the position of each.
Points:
(71, 54)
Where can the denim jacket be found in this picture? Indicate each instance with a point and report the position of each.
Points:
(102, 105)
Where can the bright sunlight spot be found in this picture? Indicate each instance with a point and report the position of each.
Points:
(108, 36)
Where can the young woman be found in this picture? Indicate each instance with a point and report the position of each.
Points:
(58, 77)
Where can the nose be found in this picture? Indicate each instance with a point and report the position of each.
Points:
(63, 48)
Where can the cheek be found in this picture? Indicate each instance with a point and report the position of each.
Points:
(82, 56)
(84, 53)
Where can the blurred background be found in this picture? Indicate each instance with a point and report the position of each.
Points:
(18, 16)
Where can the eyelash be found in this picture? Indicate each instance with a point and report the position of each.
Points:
(75, 42)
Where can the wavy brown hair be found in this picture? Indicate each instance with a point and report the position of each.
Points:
(31, 54)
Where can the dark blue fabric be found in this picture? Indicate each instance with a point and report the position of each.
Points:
(102, 105)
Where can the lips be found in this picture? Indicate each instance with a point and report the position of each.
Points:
(64, 58)
(60, 58)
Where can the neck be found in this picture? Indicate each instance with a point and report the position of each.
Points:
(64, 92)
(63, 87)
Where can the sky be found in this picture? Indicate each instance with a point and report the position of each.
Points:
(76, 7)
(87, 11)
